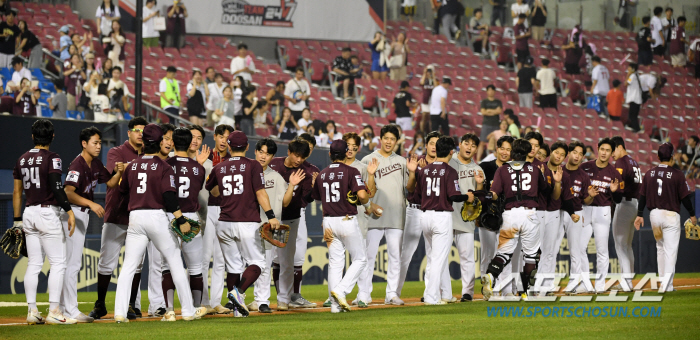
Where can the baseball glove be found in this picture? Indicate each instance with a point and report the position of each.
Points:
(14, 242)
(276, 237)
(353, 199)
(692, 231)
(471, 211)
(195, 227)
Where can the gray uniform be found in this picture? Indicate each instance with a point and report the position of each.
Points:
(361, 217)
(391, 179)
(275, 186)
(466, 173)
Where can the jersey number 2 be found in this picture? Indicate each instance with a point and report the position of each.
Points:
(525, 180)
(184, 185)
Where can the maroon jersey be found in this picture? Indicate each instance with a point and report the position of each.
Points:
(293, 210)
(521, 44)
(215, 159)
(116, 204)
(33, 169)
(631, 176)
(189, 179)
(145, 180)
(577, 187)
(531, 179)
(545, 193)
(332, 186)
(84, 178)
(601, 178)
(25, 106)
(310, 169)
(436, 183)
(552, 204)
(414, 197)
(239, 179)
(677, 45)
(664, 188)
(428, 87)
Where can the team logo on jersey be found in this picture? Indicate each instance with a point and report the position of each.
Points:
(195, 171)
(619, 170)
(457, 186)
(358, 178)
(172, 181)
(72, 176)
(242, 167)
(56, 164)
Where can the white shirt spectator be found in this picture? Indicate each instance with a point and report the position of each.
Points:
(670, 23)
(519, 9)
(694, 44)
(237, 105)
(634, 93)
(114, 85)
(239, 63)
(655, 27)
(303, 123)
(648, 81)
(148, 30)
(23, 73)
(215, 95)
(439, 92)
(163, 88)
(106, 24)
(101, 108)
(601, 74)
(546, 78)
(292, 86)
(325, 139)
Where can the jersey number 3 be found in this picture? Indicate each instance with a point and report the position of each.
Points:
(237, 181)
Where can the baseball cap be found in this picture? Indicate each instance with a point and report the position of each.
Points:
(65, 29)
(152, 133)
(237, 140)
(666, 151)
(446, 80)
(339, 146)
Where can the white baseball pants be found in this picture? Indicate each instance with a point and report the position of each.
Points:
(262, 284)
(667, 232)
(340, 234)
(74, 258)
(465, 246)
(285, 258)
(445, 278)
(302, 241)
(599, 219)
(212, 247)
(520, 228)
(623, 233)
(393, 249)
(155, 279)
(412, 232)
(144, 226)
(437, 228)
(552, 235)
(489, 244)
(577, 236)
(191, 251)
(44, 233)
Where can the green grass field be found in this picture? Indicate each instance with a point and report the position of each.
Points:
(680, 313)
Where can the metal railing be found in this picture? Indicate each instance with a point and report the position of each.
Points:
(152, 111)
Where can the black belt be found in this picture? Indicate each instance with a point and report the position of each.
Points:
(82, 209)
(630, 198)
(414, 206)
(47, 206)
(523, 198)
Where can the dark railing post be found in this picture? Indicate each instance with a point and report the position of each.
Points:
(139, 57)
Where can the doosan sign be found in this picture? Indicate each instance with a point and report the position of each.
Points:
(240, 12)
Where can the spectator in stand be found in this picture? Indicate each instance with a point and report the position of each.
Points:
(169, 89)
(438, 107)
(590, 153)
(400, 147)
(668, 22)
(10, 33)
(545, 83)
(90, 90)
(297, 91)
(573, 51)
(83, 44)
(101, 106)
(495, 135)
(513, 123)
(114, 45)
(118, 92)
(491, 109)
(644, 43)
(677, 44)
(479, 27)
(89, 66)
(498, 12)
(5, 7)
(452, 12)
(539, 19)
(305, 121)
(522, 35)
(402, 105)
(175, 25)
(209, 75)
(73, 76)
(428, 81)
(657, 32)
(399, 52)
(238, 86)
(330, 134)
(107, 69)
(357, 72)
(106, 14)
(615, 98)
(275, 98)
(526, 130)
(287, 127)
(408, 9)
(19, 73)
(694, 55)
(243, 65)
(29, 42)
(633, 98)
(65, 43)
(516, 10)
(601, 85)
(226, 110)
(197, 94)
(687, 152)
(418, 147)
(150, 35)
(379, 49)
(369, 140)
(25, 101)
(525, 82)
(250, 106)
(216, 94)
(58, 103)
(342, 66)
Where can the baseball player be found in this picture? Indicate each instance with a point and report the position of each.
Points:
(189, 180)
(606, 180)
(488, 238)
(625, 211)
(577, 233)
(297, 152)
(412, 230)
(241, 184)
(391, 178)
(116, 221)
(280, 194)
(38, 174)
(663, 189)
(212, 299)
(471, 178)
(150, 184)
(341, 231)
(519, 182)
(438, 183)
(84, 173)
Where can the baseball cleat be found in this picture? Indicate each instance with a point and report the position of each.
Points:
(393, 301)
(199, 312)
(466, 298)
(298, 301)
(229, 305)
(362, 304)
(137, 312)
(169, 317)
(131, 314)
(487, 288)
(99, 311)
(282, 306)
(438, 303)
(451, 300)
(209, 309)
(523, 297)
(82, 318)
(617, 287)
(328, 303)
(120, 319)
(219, 309)
(189, 318)
(341, 301)
(264, 309)
(159, 312)
(34, 317)
(237, 314)
(57, 318)
(238, 301)
(253, 306)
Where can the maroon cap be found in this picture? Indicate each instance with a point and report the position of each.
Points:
(152, 133)
(666, 151)
(237, 140)
(339, 146)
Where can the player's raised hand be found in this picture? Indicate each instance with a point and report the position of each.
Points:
(422, 163)
(203, 154)
(479, 177)
(296, 177)
(274, 223)
(412, 164)
(575, 218)
(638, 222)
(558, 174)
(313, 179)
(614, 185)
(592, 191)
(372, 166)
